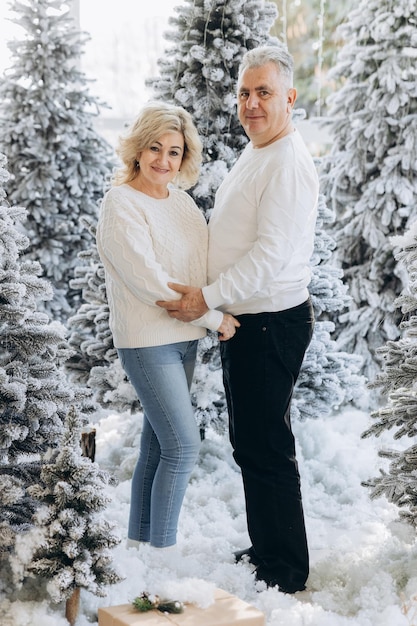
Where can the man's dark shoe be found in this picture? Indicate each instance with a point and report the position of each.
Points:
(262, 574)
(247, 555)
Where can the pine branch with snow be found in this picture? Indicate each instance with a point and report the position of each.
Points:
(398, 382)
(398, 485)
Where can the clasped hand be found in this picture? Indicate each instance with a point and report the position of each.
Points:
(192, 305)
(228, 327)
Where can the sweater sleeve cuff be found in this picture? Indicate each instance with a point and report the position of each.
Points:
(211, 320)
(212, 295)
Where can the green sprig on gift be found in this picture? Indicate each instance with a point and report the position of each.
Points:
(146, 602)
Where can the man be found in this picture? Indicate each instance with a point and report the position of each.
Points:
(261, 240)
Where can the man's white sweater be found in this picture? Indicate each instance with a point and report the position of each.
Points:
(261, 231)
(144, 243)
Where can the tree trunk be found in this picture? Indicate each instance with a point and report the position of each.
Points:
(88, 443)
(72, 606)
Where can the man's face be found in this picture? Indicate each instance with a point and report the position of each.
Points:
(265, 101)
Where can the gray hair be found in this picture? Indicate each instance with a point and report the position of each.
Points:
(258, 57)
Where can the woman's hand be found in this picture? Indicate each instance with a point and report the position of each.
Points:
(228, 327)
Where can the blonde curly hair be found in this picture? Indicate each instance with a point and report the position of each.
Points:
(154, 120)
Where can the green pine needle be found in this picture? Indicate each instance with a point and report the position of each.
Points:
(170, 606)
(144, 603)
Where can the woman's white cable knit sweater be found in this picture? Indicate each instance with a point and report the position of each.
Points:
(144, 243)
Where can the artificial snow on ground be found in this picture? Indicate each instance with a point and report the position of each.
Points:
(363, 560)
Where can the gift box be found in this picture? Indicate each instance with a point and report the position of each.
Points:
(225, 611)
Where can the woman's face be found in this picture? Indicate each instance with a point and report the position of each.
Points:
(160, 163)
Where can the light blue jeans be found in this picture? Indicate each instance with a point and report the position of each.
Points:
(170, 440)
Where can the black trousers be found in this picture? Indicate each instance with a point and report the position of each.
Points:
(260, 367)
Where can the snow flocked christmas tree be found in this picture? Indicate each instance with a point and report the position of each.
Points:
(398, 381)
(370, 176)
(34, 392)
(59, 164)
(69, 545)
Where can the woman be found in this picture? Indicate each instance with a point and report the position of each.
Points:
(150, 233)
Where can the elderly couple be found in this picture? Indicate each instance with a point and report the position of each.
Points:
(154, 244)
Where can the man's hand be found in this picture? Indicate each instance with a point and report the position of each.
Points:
(190, 307)
(228, 327)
